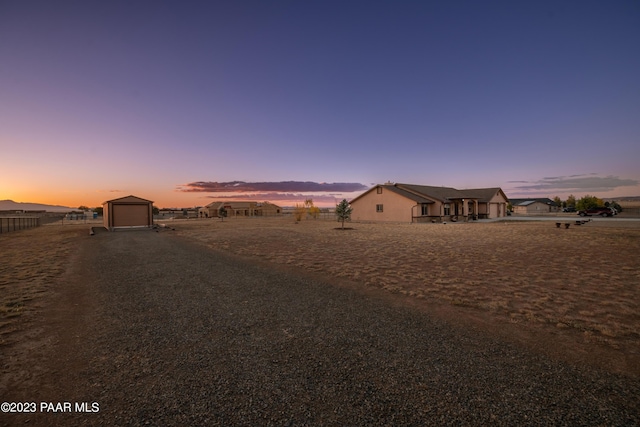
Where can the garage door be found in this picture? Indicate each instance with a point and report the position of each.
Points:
(130, 216)
(493, 207)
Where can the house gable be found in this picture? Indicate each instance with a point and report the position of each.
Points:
(128, 199)
(385, 203)
(486, 195)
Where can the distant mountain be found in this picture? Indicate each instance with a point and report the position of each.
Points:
(10, 205)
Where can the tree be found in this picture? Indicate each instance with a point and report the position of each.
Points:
(299, 212)
(343, 211)
(222, 212)
(83, 208)
(588, 202)
(558, 201)
(571, 200)
(312, 211)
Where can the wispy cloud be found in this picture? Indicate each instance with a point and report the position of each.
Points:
(326, 199)
(270, 187)
(588, 182)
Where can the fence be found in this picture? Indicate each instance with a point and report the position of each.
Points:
(13, 223)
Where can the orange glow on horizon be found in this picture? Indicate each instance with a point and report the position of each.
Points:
(161, 200)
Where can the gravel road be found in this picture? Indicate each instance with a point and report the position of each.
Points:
(159, 330)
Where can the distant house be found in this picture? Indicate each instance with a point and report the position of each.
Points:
(422, 203)
(240, 209)
(127, 212)
(533, 206)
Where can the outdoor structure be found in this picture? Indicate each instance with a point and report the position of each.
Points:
(127, 212)
(240, 209)
(533, 206)
(422, 203)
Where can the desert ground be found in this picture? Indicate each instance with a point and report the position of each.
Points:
(530, 319)
(576, 287)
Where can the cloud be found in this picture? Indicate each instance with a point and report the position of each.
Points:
(267, 187)
(281, 197)
(577, 182)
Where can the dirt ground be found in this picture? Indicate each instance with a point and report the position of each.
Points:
(570, 293)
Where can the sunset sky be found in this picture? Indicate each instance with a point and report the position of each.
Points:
(185, 102)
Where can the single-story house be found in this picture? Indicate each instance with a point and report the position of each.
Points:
(240, 208)
(422, 203)
(533, 206)
(127, 212)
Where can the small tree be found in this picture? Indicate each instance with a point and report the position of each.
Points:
(299, 212)
(558, 201)
(571, 200)
(343, 211)
(222, 212)
(312, 211)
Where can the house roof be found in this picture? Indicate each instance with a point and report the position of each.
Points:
(439, 193)
(128, 199)
(526, 202)
(483, 194)
(400, 191)
(427, 193)
(408, 194)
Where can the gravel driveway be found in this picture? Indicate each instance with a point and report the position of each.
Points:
(159, 330)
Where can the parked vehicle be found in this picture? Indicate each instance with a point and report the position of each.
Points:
(569, 209)
(603, 211)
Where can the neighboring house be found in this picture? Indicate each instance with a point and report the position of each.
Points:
(240, 208)
(422, 203)
(170, 213)
(533, 206)
(127, 212)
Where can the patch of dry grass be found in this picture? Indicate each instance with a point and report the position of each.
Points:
(585, 278)
(30, 262)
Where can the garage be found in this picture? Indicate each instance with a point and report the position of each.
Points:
(128, 212)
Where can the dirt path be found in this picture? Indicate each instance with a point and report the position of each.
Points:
(155, 329)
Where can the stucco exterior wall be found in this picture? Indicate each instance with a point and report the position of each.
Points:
(106, 217)
(395, 207)
(536, 207)
(495, 207)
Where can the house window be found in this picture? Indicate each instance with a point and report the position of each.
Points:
(378, 208)
(379, 190)
(447, 209)
(424, 209)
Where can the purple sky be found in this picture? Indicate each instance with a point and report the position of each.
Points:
(99, 100)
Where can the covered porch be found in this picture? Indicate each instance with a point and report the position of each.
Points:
(453, 210)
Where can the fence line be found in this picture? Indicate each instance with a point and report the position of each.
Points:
(13, 223)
